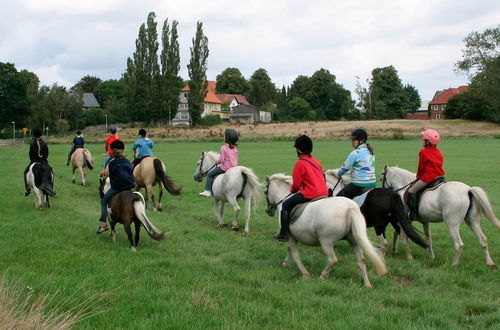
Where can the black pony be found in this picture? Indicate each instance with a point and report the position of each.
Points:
(40, 178)
(381, 207)
(127, 207)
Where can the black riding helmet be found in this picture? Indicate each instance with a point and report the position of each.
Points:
(142, 132)
(37, 133)
(117, 145)
(359, 134)
(112, 129)
(231, 136)
(304, 144)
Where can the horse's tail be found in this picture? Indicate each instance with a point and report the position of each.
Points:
(358, 228)
(140, 212)
(165, 179)
(399, 214)
(480, 200)
(253, 182)
(88, 159)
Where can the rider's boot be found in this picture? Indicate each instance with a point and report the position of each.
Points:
(284, 230)
(412, 205)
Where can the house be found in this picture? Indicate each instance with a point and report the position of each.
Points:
(249, 114)
(440, 100)
(89, 101)
(422, 112)
(213, 104)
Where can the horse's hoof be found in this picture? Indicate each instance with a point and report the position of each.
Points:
(134, 249)
(493, 266)
(323, 277)
(236, 229)
(73, 181)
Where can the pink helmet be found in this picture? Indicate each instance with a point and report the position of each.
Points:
(430, 135)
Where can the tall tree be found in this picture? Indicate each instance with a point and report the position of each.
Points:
(152, 71)
(87, 84)
(231, 81)
(480, 49)
(387, 94)
(413, 98)
(14, 99)
(197, 69)
(262, 89)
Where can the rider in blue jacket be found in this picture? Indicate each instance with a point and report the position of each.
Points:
(78, 142)
(142, 147)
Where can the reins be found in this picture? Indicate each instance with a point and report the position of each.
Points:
(201, 166)
(384, 182)
(274, 205)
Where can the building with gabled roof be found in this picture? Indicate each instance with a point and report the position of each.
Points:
(440, 101)
(89, 101)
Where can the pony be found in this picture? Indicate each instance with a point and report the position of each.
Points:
(451, 203)
(324, 222)
(40, 178)
(148, 173)
(236, 182)
(127, 207)
(81, 159)
(380, 207)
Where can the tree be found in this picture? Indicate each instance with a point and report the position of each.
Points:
(111, 96)
(413, 98)
(262, 89)
(300, 109)
(152, 71)
(197, 69)
(231, 81)
(480, 49)
(14, 100)
(86, 85)
(387, 94)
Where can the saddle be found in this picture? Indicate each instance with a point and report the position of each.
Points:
(299, 209)
(433, 185)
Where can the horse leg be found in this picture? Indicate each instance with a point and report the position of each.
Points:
(160, 195)
(248, 201)
(361, 262)
(129, 235)
(137, 230)
(149, 191)
(380, 232)
(428, 236)
(454, 230)
(47, 201)
(38, 198)
(286, 262)
(294, 251)
(473, 223)
(82, 175)
(73, 180)
(406, 245)
(331, 257)
(219, 213)
(236, 208)
(395, 243)
(113, 231)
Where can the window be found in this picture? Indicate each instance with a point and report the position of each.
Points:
(443, 106)
(435, 107)
(438, 116)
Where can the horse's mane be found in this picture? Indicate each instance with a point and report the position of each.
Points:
(212, 155)
(346, 178)
(281, 177)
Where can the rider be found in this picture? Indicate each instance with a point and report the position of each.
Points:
(308, 183)
(228, 158)
(121, 178)
(109, 153)
(39, 152)
(78, 142)
(142, 147)
(430, 167)
(361, 162)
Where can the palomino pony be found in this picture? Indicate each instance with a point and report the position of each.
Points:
(451, 203)
(380, 207)
(81, 159)
(41, 180)
(127, 207)
(236, 182)
(148, 173)
(324, 222)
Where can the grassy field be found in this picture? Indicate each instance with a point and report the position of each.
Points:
(204, 277)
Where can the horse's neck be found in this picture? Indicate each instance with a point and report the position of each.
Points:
(282, 185)
(402, 176)
(211, 158)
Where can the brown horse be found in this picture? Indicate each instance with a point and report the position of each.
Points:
(127, 207)
(148, 173)
(81, 159)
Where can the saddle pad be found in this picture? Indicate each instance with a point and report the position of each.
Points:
(299, 209)
(361, 198)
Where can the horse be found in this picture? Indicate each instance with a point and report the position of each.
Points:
(451, 203)
(148, 173)
(380, 207)
(324, 222)
(127, 207)
(81, 159)
(236, 182)
(41, 180)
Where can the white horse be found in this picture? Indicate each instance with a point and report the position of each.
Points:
(324, 222)
(238, 181)
(451, 203)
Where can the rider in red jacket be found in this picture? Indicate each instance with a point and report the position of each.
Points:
(430, 167)
(308, 183)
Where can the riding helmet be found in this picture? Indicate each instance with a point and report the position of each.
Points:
(37, 133)
(304, 144)
(117, 145)
(112, 129)
(142, 132)
(231, 136)
(430, 135)
(359, 134)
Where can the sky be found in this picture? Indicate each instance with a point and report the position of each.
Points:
(64, 40)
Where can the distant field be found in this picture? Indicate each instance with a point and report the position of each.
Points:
(204, 277)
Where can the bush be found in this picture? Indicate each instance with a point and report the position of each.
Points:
(210, 120)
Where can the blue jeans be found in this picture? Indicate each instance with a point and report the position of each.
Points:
(211, 175)
(106, 160)
(104, 203)
(293, 200)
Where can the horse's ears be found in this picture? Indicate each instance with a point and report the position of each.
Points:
(267, 179)
(385, 167)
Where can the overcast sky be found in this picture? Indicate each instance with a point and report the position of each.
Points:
(64, 40)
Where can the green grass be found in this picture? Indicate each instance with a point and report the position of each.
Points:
(204, 277)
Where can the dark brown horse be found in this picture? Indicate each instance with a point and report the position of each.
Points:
(127, 207)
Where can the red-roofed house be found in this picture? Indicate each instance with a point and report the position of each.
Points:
(440, 100)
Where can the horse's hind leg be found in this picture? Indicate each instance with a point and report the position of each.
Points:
(129, 235)
(237, 209)
(428, 236)
(113, 231)
(219, 213)
(149, 192)
(137, 230)
(453, 229)
(248, 202)
(47, 201)
(286, 262)
(160, 195)
(474, 225)
(294, 250)
(331, 257)
(361, 262)
(73, 180)
(82, 175)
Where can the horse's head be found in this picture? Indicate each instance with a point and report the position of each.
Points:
(396, 177)
(277, 189)
(46, 178)
(104, 186)
(206, 162)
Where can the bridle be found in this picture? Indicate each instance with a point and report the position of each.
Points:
(385, 185)
(201, 166)
(273, 205)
